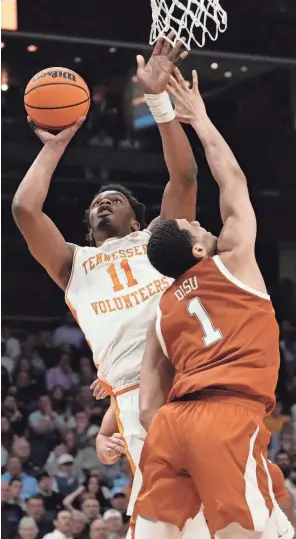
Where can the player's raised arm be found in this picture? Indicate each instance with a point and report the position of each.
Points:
(156, 380)
(44, 240)
(239, 230)
(179, 199)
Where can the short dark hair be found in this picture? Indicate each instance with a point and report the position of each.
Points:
(36, 497)
(42, 474)
(13, 479)
(170, 249)
(138, 208)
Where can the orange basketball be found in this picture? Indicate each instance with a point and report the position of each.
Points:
(56, 97)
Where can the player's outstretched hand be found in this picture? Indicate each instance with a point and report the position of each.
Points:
(62, 138)
(189, 105)
(154, 77)
(97, 390)
(114, 447)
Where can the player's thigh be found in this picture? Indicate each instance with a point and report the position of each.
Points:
(231, 444)
(168, 493)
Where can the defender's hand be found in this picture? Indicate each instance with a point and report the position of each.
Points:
(97, 390)
(62, 138)
(154, 77)
(189, 105)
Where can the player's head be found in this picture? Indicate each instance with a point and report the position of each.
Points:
(114, 211)
(176, 245)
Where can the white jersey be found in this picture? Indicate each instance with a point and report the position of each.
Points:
(113, 293)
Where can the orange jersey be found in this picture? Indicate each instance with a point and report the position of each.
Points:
(219, 333)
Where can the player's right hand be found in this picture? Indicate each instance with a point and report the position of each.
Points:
(62, 138)
(97, 390)
(114, 447)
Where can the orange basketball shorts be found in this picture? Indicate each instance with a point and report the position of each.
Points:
(212, 451)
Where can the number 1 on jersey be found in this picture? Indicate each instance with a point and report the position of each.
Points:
(131, 281)
(211, 335)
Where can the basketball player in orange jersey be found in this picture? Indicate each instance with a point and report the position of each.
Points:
(111, 288)
(214, 347)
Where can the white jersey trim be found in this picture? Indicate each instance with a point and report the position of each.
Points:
(159, 333)
(236, 281)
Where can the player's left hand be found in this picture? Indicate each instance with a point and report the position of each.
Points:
(97, 390)
(154, 77)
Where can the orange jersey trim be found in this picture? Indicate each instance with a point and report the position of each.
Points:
(126, 390)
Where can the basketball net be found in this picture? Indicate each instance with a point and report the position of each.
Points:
(191, 20)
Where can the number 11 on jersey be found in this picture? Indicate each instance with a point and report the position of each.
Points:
(211, 335)
(130, 280)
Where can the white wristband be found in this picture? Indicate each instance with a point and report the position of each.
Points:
(160, 106)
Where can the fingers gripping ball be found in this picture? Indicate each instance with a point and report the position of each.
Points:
(56, 97)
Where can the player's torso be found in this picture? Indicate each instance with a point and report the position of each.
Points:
(220, 333)
(114, 292)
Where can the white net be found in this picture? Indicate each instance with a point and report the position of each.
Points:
(191, 20)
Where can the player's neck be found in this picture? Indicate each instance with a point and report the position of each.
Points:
(102, 238)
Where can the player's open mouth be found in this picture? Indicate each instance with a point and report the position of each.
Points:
(104, 210)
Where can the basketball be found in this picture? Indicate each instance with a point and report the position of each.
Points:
(56, 98)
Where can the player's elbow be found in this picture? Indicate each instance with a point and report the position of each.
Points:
(21, 209)
(189, 176)
(146, 415)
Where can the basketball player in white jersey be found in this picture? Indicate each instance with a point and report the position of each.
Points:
(110, 287)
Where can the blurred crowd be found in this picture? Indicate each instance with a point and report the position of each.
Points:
(52, 481)
(53, 485)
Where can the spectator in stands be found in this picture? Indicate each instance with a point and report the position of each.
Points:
(14, 469)
(62, 375)
(291, 481)
(63, 527)
(68, 333)
(13, 348)
(276, 420)
(28, 390)
(15, 489)
(30, 352)
(6, 439)
(93, 487)
(98, 529)
(10, 409)
(86, 372)
(44, 420)
(114, 523)
(36, 510)
(119, 501)
(70, 442)
(79, 525)
(80, 422)
(52, 500)
(60, 404)
(66, 478)
(123, 478)
(283, 462)
(28, 528)
(11, 513)
(22, 450)
(91, 508)
(5, 381)
(51, 465)
(45, 347)
(6, 361)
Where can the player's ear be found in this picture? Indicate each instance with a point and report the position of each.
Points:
(198, 251)
(135, 226)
